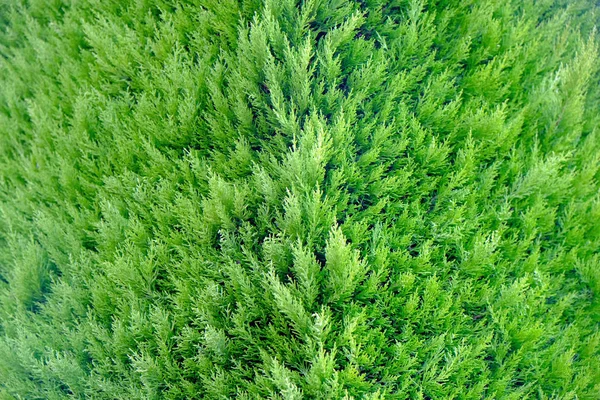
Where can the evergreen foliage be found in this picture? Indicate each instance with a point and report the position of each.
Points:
(324, 199)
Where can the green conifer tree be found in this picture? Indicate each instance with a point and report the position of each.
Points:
(317, 199)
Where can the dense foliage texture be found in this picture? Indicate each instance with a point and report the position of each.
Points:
(322, 199)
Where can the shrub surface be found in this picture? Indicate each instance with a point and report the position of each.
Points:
(322, 199)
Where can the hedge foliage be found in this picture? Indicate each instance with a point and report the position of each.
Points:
(321, 199)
